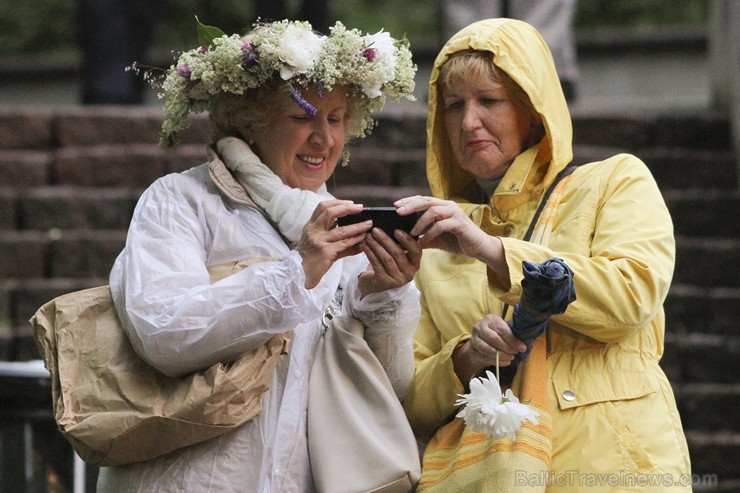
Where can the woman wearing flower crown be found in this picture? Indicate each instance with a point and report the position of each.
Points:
(601, 415)
(282, 103)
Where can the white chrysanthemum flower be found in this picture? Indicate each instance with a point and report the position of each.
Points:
(299, 49)
(489, 412)
(383, 62)
(382, 42)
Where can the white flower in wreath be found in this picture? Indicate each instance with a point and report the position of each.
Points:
(489, 412)
(299, 49)
(384, 61)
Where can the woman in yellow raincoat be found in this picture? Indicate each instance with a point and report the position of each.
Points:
(498, 134)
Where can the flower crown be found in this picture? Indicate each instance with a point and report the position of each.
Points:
(369, 66)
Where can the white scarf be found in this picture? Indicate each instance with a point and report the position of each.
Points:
(290, 208)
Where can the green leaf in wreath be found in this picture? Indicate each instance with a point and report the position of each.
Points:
(206, 34)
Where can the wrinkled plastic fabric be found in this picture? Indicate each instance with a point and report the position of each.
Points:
(114, 408)
(176, 319)
(180, 323)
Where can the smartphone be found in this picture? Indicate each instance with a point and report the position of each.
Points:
(384, 218)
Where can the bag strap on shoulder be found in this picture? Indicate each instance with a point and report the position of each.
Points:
(563, 173)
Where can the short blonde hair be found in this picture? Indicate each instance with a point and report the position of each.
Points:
(477, 64)
(230, 113)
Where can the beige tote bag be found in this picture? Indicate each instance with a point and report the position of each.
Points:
(114, 408)
(358, 437)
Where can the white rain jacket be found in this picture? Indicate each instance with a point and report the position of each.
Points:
(179, 322)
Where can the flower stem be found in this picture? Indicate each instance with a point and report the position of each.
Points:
(498, 377)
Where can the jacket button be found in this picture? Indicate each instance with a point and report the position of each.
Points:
(569, 396)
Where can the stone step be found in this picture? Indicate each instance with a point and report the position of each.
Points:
(696, 399)
(701, 341)
(382, 166)
(394, 151)
(705, 130)
(60, 209)
(132, 165)
(706, 415)
(698, 349)
(707, 262)
(710, 482)
(687, 168)
(30, 127)
(9, 215)
(127, 165)
(695, 357)
(714, 459)
(19, 300)
(68, 207)
(59, 253)
(705, 213)
(23, 168)
(675, 168)
(713, 311)
(23, 254)
(701, 262)
(59, 220)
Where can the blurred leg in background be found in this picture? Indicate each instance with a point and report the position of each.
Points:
(552, 18)
(314, 11)
(113, 34)
(270, 10)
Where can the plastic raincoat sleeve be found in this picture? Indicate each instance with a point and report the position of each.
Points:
(622, 282)
(390, 319)
(176, 319)
(434, 370)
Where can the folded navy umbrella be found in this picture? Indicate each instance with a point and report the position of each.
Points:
(547, 290)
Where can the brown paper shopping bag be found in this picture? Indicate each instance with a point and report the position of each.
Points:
(114, 408)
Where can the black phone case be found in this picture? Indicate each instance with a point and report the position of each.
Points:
(384, 218)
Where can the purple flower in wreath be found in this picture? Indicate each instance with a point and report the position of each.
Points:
(248, 58)
(320, 90)
(305, 105)
(369, 54)
(184, 72)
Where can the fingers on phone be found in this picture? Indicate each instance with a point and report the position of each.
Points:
(354, 229)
